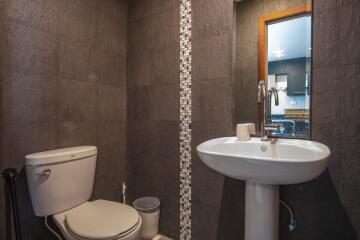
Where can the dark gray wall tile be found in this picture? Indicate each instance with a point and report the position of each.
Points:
(78, 19)
(211, 100)
(204, 222)
(326, 38)
(139, 68)
(64, 70)
(78, 100)
(76, 133)
(210, 18)
(78, 60)
(139, 9)
(165, 29)
(211, 58)
(350, 34)
(29, 98)
(111, 103)
(153, 106)
(164, 102)
(138, 103)
(43, 14)
(158, 6)
(28, 50)
(165, 65)
(207, 185)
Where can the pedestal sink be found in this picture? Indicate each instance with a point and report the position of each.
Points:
(264, 166)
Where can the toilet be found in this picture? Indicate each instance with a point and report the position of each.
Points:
(60, 184)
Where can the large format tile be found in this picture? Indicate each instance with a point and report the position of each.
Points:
(78, 60)
(78, 100)
(78, 19)
(211, 17)
(28, 49)
(165, 64)
(76, 133)
(138, 103)
(211, 58)
(112, 103)
(350, 35)
(39, 13)
(164, 102)
(326, 38)
(165, 29)
(207, 185)
(211, 101)
(204, 222)
(351, 100)
(29, 98)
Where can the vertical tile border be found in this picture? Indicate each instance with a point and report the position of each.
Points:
(185, 119)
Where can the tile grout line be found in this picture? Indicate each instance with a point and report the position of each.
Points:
(185, 119)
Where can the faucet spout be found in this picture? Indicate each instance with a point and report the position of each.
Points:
(265, 96)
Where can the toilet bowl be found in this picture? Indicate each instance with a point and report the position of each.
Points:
(60, 184)
(99, 219)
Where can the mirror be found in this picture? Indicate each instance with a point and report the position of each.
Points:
(273, 43)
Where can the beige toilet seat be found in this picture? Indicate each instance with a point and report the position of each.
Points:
(101, 219)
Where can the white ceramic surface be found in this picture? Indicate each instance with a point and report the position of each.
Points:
(70, 180)
(286, 161)
(60, 221)
(264, 165)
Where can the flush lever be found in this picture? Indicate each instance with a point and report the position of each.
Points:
(44, 173)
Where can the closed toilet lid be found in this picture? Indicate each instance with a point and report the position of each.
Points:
(102, 219)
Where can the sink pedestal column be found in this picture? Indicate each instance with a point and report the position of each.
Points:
(261, 211)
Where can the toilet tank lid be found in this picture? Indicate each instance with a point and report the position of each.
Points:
(60, 155)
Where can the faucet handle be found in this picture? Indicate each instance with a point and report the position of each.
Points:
(271, 126)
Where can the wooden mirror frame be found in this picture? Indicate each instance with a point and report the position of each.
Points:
(263, 21)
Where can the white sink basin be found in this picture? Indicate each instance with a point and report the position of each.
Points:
(264, 166)
(286, 161)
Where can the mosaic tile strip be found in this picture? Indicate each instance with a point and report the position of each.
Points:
(185, 119)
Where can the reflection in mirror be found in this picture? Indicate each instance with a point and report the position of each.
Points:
(288, 64)
(273, 43)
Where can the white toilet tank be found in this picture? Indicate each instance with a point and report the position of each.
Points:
(60, 179)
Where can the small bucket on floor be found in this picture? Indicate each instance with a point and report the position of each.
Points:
(149, 210)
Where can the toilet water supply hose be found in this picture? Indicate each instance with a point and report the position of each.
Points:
(124, 193)
(51, 230)
(293, 224)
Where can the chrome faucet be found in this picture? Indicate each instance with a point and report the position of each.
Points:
(265, 96)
